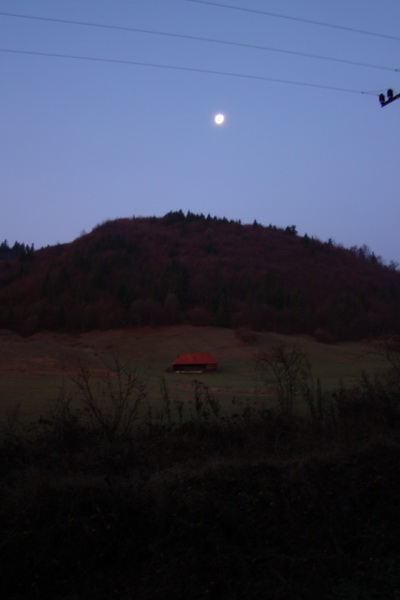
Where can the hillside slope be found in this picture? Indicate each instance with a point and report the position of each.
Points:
(203, 271)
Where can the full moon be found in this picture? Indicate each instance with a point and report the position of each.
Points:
(219, 119)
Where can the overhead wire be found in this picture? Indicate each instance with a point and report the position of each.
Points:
(182, 68)
(299, 19)
(201, 39)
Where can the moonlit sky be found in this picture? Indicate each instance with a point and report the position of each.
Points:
(83, 141)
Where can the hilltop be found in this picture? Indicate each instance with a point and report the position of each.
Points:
(202, 271)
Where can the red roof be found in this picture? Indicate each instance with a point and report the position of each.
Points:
(202, 358)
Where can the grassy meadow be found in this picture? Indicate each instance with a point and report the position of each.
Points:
(35, 369)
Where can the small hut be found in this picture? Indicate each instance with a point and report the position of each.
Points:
(194, 363)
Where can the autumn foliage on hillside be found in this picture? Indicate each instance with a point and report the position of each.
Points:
(203, 271)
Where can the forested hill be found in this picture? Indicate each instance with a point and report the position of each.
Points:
(204, 271)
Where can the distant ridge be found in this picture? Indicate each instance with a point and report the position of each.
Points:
(202, 270)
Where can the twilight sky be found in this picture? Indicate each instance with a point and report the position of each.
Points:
(82, 141)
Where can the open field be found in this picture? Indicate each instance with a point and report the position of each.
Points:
(34, 369)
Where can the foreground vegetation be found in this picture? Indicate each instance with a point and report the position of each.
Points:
(263, 503)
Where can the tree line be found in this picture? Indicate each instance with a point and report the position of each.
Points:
(18, 249)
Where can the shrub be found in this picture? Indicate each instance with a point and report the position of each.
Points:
(288, 368)
(111, 403)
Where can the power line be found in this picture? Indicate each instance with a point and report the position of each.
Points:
(298, 19)
(202, 39)
(188, 69)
